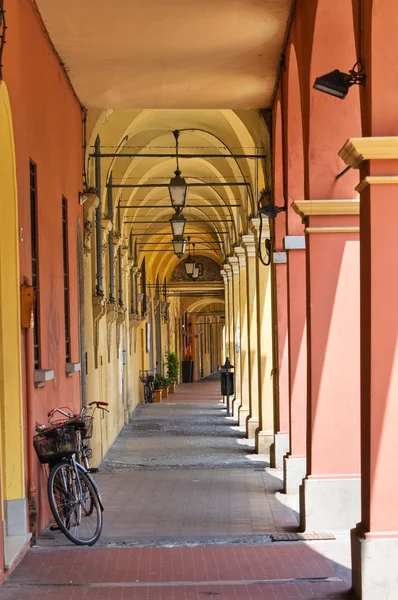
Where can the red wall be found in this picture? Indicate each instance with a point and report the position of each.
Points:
(48, 130)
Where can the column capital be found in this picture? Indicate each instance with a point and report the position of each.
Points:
(228, 270)
(255, 224)
(241, 255)
(234, 262)
(249, 244)
(318, 208)
(356, 150)
(224, 276)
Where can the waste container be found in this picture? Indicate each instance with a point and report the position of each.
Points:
(227, 379)
(187, 371)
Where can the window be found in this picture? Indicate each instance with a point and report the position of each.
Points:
(66, 277)
(34, 255)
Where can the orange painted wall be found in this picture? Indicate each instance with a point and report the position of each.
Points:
(48, 131)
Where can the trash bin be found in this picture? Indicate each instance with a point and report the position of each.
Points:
(227, 379)
(187, 371)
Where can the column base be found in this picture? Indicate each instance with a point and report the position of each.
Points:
(374, 567)
(251, 427)
(264, 441)
(243, 414)
(279, 448)
(329, 503)
(294, 471)
(236, 404)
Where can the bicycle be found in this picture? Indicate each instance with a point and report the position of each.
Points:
(73, 495)
(147, 379)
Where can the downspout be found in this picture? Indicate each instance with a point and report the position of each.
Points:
(30, 369)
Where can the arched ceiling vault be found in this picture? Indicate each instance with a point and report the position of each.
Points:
(216, 214)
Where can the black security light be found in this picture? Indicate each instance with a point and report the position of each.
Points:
(337, 83)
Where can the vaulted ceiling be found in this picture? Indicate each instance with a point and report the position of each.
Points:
(169, 53)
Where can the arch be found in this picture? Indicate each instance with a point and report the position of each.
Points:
(332, 121)
(11, 411)
(293, 160)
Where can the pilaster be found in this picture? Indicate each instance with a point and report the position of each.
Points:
(265, 431)
(249, 244)
(374, 541)
(234, 263)
(226, 327)
(333, 457)
(244, 408)
(230, 324)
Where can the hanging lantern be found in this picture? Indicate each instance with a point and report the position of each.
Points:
(179, 245)
(178, 188)
(177, 223)
(195, 272)
(190, 262)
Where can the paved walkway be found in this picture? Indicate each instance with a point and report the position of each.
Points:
(189, 512)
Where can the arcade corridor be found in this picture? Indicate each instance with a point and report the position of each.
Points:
(189, 512)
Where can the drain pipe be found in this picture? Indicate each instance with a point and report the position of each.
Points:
(31, 453)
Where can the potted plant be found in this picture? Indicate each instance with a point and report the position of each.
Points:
(172, 365)
(157, 384)
(160, 382)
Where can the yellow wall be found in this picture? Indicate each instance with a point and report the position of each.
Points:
(12, 464)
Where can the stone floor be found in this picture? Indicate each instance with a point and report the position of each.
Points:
(189, 512)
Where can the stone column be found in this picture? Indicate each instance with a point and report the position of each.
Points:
(295, 461)
(234, 262)
(281, 443)
(249, 244)
(226, 327)
(244, 409)
(330, 493)
(230, 324)
(265, 431)
(374, 541)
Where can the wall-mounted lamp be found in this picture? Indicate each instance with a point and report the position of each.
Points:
(178, 188)
(337, 83)
(177, 223)
(195, 272)
(179, 245)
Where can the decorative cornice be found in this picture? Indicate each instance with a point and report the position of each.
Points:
(304, 208)
(234, 262)
(241, 255)
(377, 179)
(249, 244)
(224, 276)
(228, 270)
(347, 229)
(356, 150)
(254, 226)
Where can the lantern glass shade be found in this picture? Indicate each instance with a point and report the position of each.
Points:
(178, 190)
(195, 273)
(179, 245)
(177, 223)
(189, 265)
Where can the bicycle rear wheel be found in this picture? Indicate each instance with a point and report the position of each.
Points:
(69, 499)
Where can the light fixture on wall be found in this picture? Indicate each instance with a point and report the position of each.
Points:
(190, 262)
(178, 188)
(337, 83)
(179, 245)
(177, 223)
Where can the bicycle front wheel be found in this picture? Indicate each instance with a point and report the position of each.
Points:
(70, 496)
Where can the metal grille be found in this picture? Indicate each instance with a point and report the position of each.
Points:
(33, 243)
(66, 277)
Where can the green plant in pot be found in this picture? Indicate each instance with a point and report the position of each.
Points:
(172, 365)
(159, 381)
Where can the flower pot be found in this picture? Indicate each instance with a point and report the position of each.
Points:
(158, 395)
(172, 388)
(165, 391)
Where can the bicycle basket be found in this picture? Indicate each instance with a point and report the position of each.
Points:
(55, 444)
(146, 376)
(87, 430)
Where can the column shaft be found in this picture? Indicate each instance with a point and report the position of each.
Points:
(244, 409)
(252, 421)
(234, 262)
